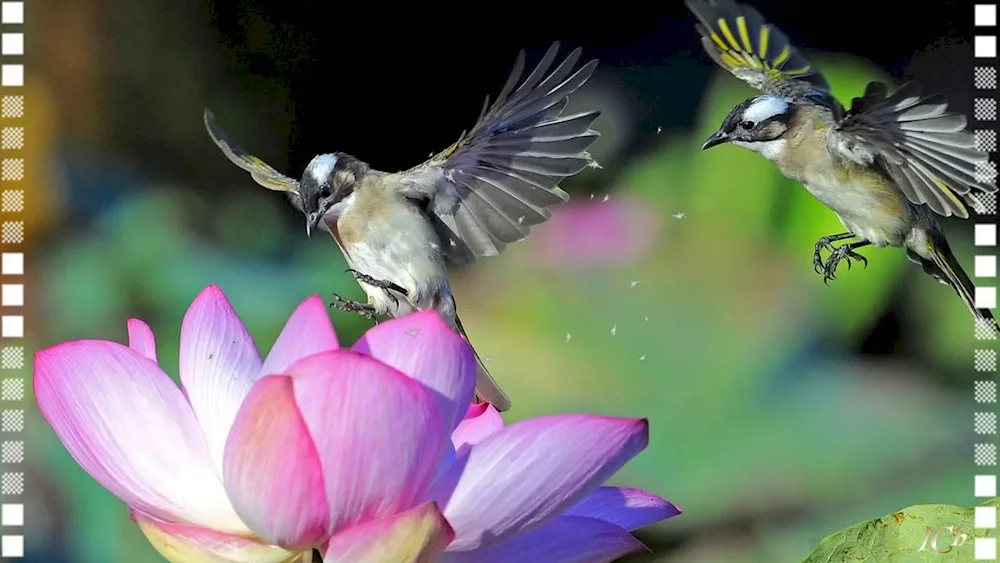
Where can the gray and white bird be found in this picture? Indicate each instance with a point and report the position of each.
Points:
(888, 166)
(398, 229)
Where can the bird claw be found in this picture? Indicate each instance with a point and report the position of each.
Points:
(821, 245)
(818, 262)
(352, 306)
(840, 253)
(395, 301)
(387, 285)
(384, 285)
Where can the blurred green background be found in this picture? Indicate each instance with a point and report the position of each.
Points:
(676, 285)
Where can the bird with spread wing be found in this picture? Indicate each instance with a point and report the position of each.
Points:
(888, 166)
(397, 230)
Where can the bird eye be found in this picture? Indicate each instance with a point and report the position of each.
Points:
(748, 124)
(324, 191)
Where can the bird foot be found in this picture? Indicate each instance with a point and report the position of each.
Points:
(385, 285)
(843, 252)
(352, 306)
(822, 244)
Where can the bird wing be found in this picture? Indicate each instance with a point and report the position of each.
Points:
(262, 172)
(500, 178)
(917, 142)
(739, 40)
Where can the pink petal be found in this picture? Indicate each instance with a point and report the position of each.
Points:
(141, 339)
(474, 410)
(272, 471)
(630, 509)
(416, 536)
(308, 331)
(218, 365)
(378, 434)
(567, 539)
(424, 347)
(191, 544)
(128, 425)
(481, 420)
(531, 472)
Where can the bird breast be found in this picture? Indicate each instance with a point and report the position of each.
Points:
(391, 239)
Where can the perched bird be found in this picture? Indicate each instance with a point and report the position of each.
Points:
(888, 166)
(396, 230)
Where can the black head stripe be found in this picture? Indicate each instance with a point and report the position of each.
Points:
(736, 115)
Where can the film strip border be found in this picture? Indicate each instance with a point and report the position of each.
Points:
(985, 355)
(12, 355)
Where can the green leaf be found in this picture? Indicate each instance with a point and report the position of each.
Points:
(924, 532)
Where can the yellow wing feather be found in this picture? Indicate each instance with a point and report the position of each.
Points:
(741, 41)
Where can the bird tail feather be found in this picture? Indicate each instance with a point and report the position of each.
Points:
(487, 389)
(944, 266)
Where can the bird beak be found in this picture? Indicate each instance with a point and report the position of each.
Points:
(312, 221)
(717, 138)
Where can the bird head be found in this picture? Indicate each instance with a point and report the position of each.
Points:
(327, 186)
(758, 124)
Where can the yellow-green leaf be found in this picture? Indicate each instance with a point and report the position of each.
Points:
(926, 532)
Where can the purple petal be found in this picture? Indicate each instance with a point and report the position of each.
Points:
(308, 331)
(416, 536)
(630, 509)
(481, 420)
(378, 433)
(424, 347)
(272, 471)
(141, 339)
(567, 539)
(128, 425)
(531, 472)
(218, 365)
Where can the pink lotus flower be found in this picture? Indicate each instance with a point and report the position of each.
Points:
(367, 454)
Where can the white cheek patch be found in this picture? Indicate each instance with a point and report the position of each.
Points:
(771, 150)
